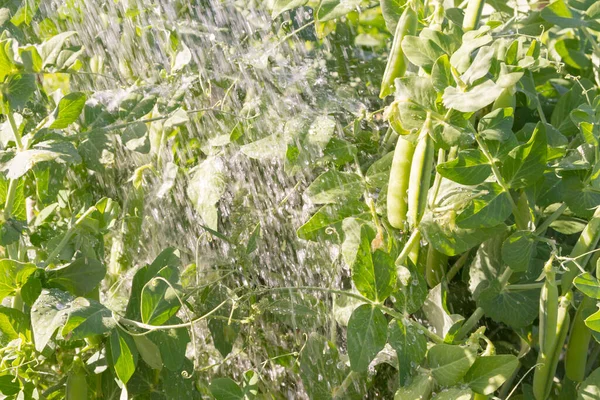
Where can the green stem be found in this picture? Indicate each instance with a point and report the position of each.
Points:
(17, 300)
(553, 217)
(457, 266)
(473, 14)
(413, 240)
(68, 235)
(469, 324)
(10, 198)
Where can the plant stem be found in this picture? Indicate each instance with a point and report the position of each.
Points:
(553, 217)
(68, 235)
(469, 324)
(414, 238)
(10, 198)
(457, 266)
(14, 128)
(472, 14)
(17, 301)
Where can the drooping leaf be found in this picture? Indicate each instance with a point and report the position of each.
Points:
(123, 354)
(588, 285)
(487, 374)
(450, 363)
(410, 346)
(373, 274)
(526, 163)
(518, 250)
(67, 111)
(334, 187)
(367, 334)
(79, 277)
(470, 167)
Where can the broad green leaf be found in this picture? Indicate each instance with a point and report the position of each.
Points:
(68, 110)
(270, 147)
(471, 41)
(373, 274)
(487, 374)
(159, 300)
(421, 51)
(23, 161)
(176, 385)
(559, 13)
(13, 323)
(420, 388)
(378, 173)
(13, 275)
(516, 308)
(96, 150)
(135, 105)
(352, 237)
(454, 394)
(415, 96)
(205, 188)
(123, 354)
(571, 54)
(87, 318)
(297, 312)
(49, 312)
(51, 48)
(339, 151)
(25, 13)
(172, 344)
(281, 6)
(223, 332)
(226, 389)
(473, 100)
(9, 385)
(526, 163)
(79, 277)
(135, 138)
(326, 223)
(149, 352)
(7, 64)
(590, 388)
(441, 74)
(588, 285)
(367, 334)
(331, 9)
(480, 66)
(470, 167)
(412, 289)
(497, 125)
(582, 199)
(518, 250)
(335, 187)
(450, 363)
(410, 345)
(18, 89)
(437, 313)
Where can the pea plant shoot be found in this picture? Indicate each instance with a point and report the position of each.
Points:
(424, 227)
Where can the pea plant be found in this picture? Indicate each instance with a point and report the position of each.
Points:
(448, 187)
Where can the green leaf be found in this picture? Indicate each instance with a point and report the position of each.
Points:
(410, 345)
(588, 285)
(9, 385)
(436, 310)
(80, 277)
(471, 41)
(421, 51)
(281, 6)
(367, 334)
(149, 352)
(331, 9)
(472, 100)
(489, 373)
(172, 344)
(378, 174)
(497, 125)
(226, 389)
(23, 161)
(160, 299)
(515, 308)
(373, 274)
(68, 110)
(415, 96)
(518, 250)
(95, 150)
(49, 312)
(590, 388)
(454, 394)
(205, 188)
(526, 163)
(470, 167)
(222, 331)
(7, 64)
(480, 65)
(571, 54)
(559, 13)
(87, 318)
(441, 74)
(13, 323)
(123, 354)
(490, 208)
(135, 138)
(420, 388)
(18, 89)
(326, 223)
(339, 151)
(51, 48)
(412, 289)
(450, 363)
(334, 187)
(13, 275)
(392, 10)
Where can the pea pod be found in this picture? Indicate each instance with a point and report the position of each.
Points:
(548, 361)
(548, 310)
(587, 242)
(396, 65)
(472, 14)
(436, 266)
(579, 342)
(398, 183)
(420, 174)
(77, 388)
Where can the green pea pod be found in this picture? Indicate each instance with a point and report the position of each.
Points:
(588, 239)
(77, 387)
(547, 362)
(420, 175)
(548, 310)
(396, 65)
(472, 14)
(436, 266)
(579, 342)
(398, 183)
